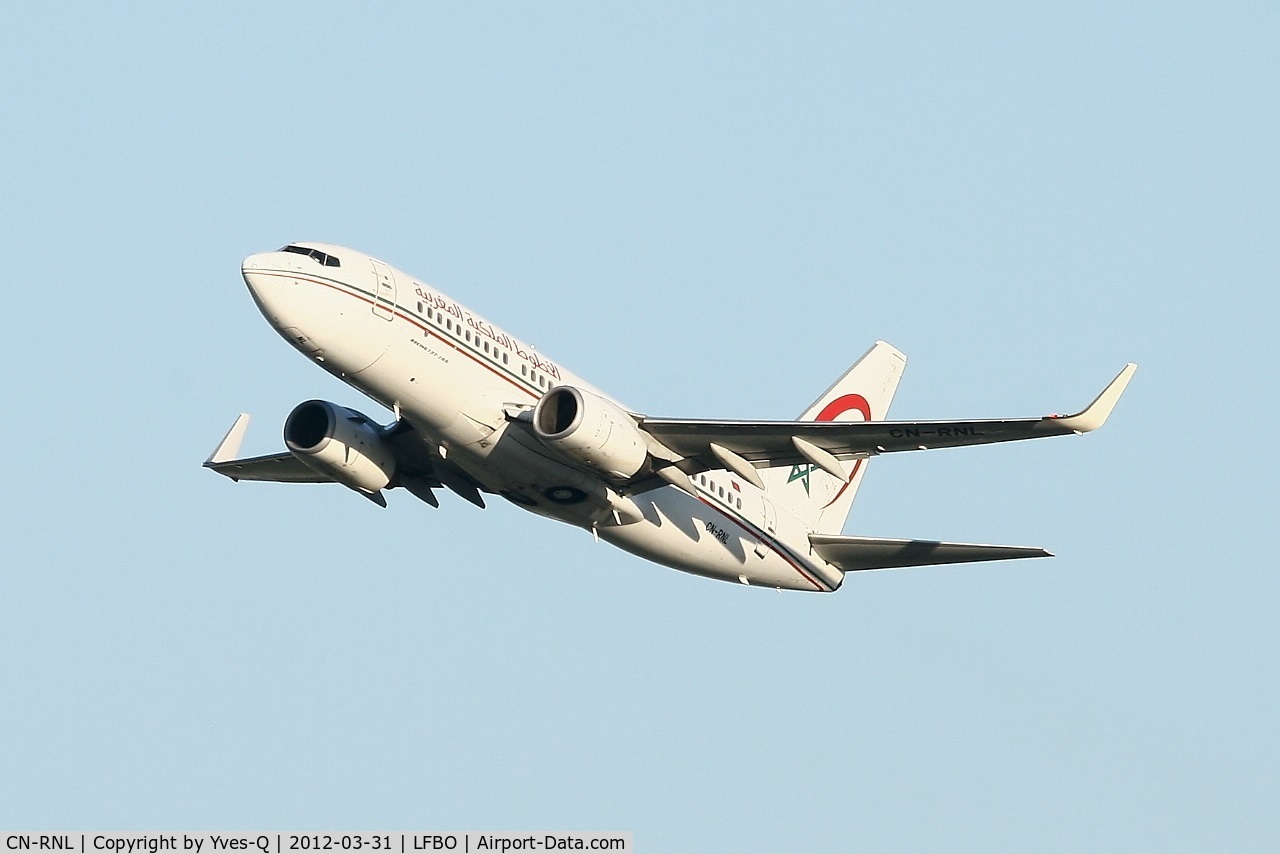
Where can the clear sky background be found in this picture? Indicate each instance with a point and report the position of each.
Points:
(708, 210)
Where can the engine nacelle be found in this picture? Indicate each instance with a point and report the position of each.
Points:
(589, 429)
(340, 443)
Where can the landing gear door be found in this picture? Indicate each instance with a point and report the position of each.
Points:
(384, 284)
(770, 517)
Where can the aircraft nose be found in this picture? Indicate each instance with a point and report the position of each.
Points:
(259, 284)
(266, 286)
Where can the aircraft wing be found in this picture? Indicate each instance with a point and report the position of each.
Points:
(774, 443)
(415, 470)
(278, 468)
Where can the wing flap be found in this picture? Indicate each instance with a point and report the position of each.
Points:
(853, 554)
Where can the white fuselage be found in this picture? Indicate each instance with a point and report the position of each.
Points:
(459, 379)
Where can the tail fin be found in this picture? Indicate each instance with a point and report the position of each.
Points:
(862, 394)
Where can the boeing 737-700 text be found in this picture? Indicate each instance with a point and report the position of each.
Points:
(479, 412)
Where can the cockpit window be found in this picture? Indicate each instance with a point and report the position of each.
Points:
(315, 254)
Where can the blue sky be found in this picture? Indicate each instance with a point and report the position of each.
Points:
(708, 211)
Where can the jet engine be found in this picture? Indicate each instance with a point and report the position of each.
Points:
(340, 443)
(590, 430)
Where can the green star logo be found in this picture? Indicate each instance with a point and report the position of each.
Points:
(801, 473)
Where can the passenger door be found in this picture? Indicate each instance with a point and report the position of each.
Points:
(384, 297)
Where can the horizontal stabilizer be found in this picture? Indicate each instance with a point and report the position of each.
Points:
(851, 554)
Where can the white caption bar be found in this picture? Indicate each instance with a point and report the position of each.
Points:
(276, 842)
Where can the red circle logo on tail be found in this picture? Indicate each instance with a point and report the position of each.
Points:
(833, 410)
(843, 404)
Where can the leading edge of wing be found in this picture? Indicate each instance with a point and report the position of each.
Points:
(771, 442)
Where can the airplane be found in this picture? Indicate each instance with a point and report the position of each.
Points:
(479, 412)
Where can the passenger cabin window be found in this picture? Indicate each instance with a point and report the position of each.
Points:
(314, 254)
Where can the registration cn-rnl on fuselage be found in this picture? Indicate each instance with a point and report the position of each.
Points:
(481, 413)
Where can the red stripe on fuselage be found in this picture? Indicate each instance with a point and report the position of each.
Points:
(764, 538)
(431, 331)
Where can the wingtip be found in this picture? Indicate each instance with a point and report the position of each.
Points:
(229, 447)
(1095, 414)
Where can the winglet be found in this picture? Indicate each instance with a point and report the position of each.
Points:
(1095, 415)
(230, 445)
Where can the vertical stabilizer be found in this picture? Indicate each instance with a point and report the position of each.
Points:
(862, 394)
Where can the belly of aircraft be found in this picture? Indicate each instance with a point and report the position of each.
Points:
(683, 533)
